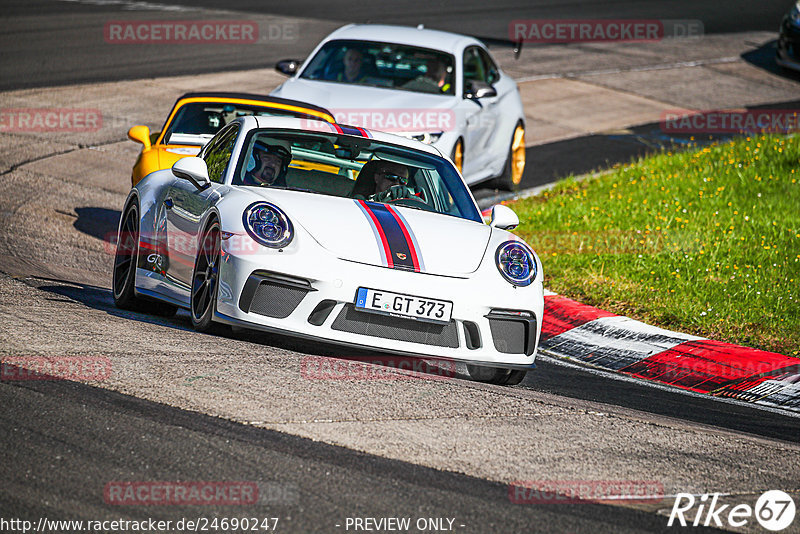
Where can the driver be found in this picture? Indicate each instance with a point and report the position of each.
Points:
(391, 182)
(268, 163)
(352, 62)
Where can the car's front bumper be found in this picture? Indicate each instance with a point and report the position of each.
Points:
(313, 298)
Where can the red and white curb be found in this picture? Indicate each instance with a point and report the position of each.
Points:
(576, 332)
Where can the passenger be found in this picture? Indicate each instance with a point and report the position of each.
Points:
(433, 80)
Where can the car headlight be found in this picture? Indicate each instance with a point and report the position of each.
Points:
(516, 263)
(268, 225)
(427, 138)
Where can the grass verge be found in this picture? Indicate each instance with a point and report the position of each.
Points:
(705, 242)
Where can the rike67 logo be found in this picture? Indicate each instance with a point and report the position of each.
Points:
(774, 510)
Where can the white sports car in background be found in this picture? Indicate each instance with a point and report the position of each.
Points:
(284, 225)
(437, 87)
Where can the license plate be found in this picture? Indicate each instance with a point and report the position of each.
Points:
(397, 304)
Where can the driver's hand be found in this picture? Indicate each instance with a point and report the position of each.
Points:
(393, 193)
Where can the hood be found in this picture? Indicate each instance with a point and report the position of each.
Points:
(375, 108)
(384, 235)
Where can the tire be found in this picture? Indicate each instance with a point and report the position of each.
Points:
(458, 155)
(516, 377)
(126, 260)
(496, 375)
(205, 279)
(511, 178)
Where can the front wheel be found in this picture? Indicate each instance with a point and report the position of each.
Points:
(511, 179)
(126, 260)
(458, 155)
(205, 279)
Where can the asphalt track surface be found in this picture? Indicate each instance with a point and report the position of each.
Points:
(55, 42)
(58, 42)
(60, 438)
(101, 436)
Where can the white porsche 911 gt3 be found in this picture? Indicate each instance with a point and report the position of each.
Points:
(438, 87)
(333, 233)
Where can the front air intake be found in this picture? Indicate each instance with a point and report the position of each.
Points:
(273, 295)
(513, 332)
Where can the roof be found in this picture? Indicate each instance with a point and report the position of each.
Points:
(291, 123)
(385, 33)
(217, 96)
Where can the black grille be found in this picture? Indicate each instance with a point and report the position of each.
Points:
(508, 336)
(388, 327)
(513, 332)
(275, 300)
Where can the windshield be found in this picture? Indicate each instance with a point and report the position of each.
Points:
(353, 167)
(408, 68)
(197, 122)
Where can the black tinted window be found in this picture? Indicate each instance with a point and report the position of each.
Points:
(219, 153)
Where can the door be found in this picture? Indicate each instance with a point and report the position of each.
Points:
(186, 207)
(482, 114)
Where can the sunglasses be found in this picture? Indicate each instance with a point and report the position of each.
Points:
(396, 178)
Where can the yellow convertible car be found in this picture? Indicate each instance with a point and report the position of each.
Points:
(196, 117)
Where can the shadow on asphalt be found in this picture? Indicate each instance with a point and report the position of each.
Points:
(308, 483)
(101, 223)
(573, 382)
(101, 299)
(548, 377)
(763, 57)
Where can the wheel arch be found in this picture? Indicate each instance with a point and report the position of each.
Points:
(133, 197)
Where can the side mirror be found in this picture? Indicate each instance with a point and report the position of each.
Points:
(504, 217)
(476, 90)
(193, 169)
(140, 134)
(287, 66)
